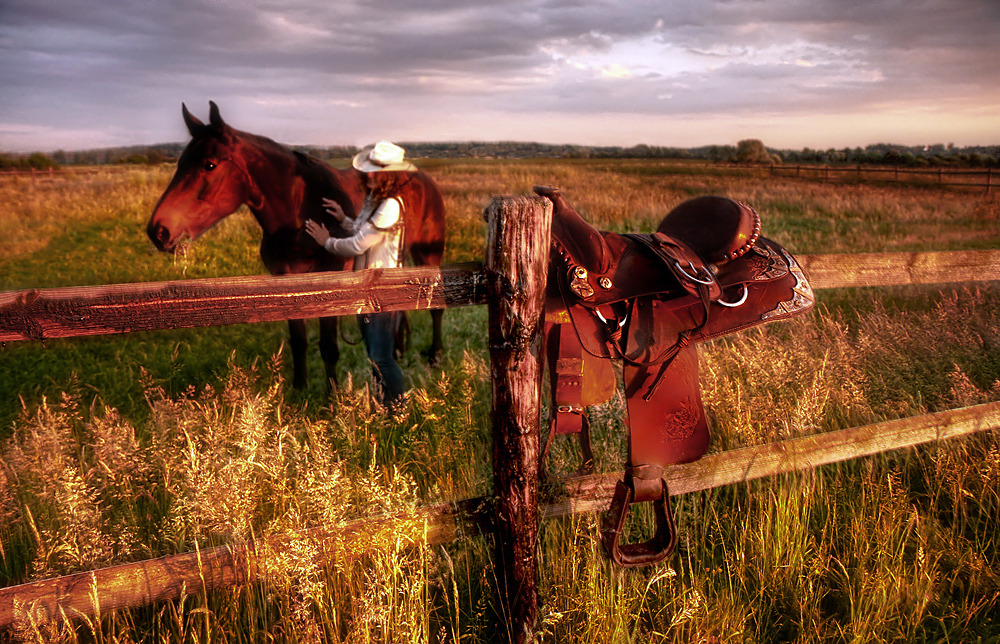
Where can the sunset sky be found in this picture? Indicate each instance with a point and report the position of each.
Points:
(794, 73)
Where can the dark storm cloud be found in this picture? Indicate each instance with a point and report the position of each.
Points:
(116, 71)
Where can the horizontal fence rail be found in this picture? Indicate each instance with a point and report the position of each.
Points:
(936, 176)
(39, 314)
(970, 178)
(170, 577)
(844, 270)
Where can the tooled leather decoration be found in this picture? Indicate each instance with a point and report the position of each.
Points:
(647, 300)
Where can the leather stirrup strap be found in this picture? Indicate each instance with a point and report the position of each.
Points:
(567, 415)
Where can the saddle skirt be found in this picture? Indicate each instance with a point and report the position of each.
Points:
(646, 300)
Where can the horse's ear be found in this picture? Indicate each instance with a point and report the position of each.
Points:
(194, 126)
(214, 118)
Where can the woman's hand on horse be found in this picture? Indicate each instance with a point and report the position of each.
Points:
(334, 209)
(317, 232)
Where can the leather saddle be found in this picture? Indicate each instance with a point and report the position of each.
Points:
(646, 300)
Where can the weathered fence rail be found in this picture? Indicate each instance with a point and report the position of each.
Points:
(39, 314)
(843, 270)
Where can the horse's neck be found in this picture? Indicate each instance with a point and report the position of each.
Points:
(275, 189)
(281, 184)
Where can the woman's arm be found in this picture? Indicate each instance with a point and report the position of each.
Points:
(319, 232)
(385, 216)
(366, 237)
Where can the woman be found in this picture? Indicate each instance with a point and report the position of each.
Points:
(376, 242)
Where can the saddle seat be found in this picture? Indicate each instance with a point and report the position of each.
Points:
(646, 300)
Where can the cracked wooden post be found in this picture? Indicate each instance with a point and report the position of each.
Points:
(517, 251)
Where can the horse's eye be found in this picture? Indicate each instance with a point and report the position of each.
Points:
(209, 166)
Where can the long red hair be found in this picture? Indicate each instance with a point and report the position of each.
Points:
(389, 184)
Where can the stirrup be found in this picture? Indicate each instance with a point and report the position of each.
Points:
(663, 542)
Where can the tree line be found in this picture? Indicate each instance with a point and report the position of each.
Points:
(752, 151)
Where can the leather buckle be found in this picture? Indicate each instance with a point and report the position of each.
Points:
(663, 542)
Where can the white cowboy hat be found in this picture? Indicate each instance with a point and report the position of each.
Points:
(382, 157)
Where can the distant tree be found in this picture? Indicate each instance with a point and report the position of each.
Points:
(40, 161)
(752, 151)
(721, 153)
(155, 157)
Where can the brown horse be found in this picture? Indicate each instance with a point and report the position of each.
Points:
(223, 168)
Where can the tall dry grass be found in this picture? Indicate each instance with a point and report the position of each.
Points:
(807, 216)
(83, 487)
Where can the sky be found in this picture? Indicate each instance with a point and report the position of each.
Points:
(85, 74)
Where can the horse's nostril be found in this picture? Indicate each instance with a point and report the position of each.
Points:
(158, 234)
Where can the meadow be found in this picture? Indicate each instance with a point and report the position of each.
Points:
(122, 448)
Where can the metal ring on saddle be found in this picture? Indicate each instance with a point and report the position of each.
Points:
(694, 278)
(733, 305)
(621, 323)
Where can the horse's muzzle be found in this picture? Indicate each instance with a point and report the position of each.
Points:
(160, 236)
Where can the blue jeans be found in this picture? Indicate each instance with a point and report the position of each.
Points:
(379, 333)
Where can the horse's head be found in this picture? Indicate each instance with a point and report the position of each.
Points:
(210, 183)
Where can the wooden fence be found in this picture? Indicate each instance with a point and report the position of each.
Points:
(859, 172)
(511, 283)
(935, 176)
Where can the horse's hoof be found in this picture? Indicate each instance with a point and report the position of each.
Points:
(434, 358)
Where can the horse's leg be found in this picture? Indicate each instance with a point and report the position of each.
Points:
(299, 342)
(329, 349)
(436, 351)
(430, 254)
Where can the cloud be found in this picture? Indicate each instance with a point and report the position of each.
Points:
(344, 72)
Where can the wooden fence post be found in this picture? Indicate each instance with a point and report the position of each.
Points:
(516, 264)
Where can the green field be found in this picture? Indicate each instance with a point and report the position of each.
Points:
(122, 448)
